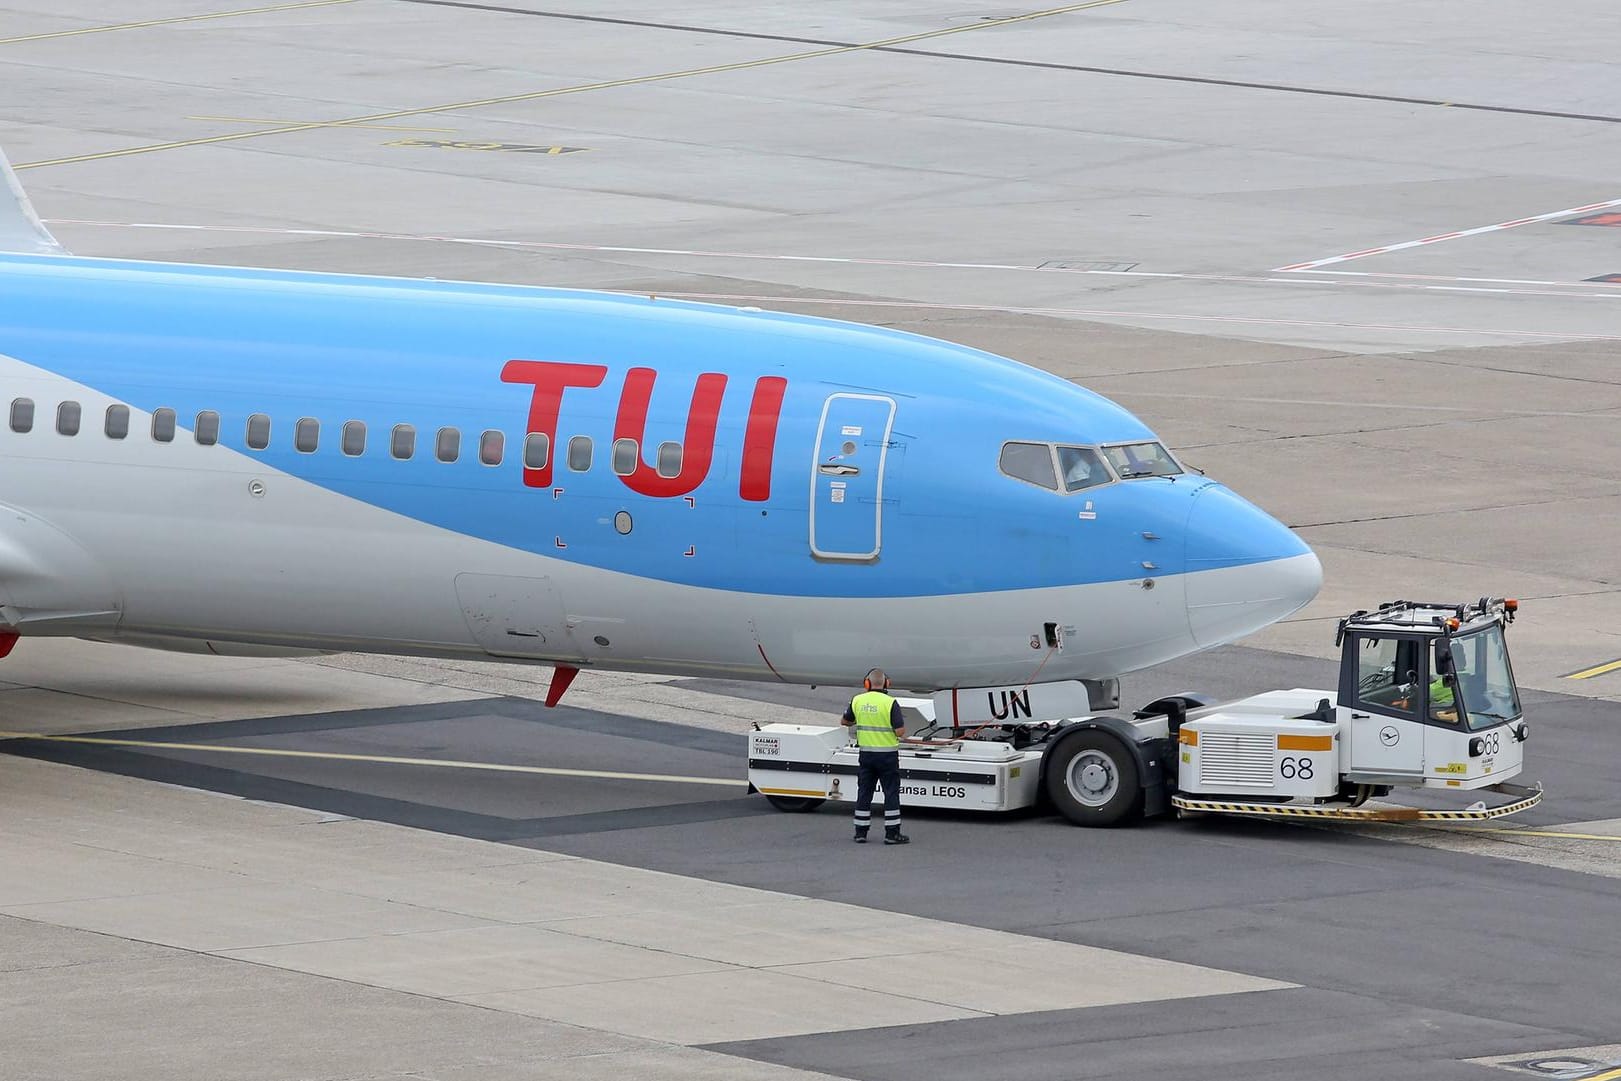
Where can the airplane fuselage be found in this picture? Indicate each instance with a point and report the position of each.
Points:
(281, 460)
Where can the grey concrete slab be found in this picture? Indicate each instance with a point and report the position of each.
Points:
(1276, 1034)
(118, 1009)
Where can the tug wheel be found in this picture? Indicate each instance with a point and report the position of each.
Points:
(1092, 779)
(795, 804)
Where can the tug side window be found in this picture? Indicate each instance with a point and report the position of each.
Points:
(1385, 675)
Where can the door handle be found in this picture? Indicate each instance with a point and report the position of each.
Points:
(1359, 716)
(838, 470)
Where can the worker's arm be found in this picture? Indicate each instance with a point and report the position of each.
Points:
(849, 717)
(897, 721)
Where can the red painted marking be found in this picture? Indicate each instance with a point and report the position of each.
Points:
(1612, 218)
(550, 380)
(559, 542)
(698, 446)
(8, 639)
(1443, 236)
(760, 438)
(562, 676)
(767, 661)
(954, 714)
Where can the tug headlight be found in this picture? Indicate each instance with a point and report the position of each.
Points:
(1477, 747)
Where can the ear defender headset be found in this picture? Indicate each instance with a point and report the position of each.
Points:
(877, 676)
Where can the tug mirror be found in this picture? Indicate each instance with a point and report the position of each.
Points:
(1443, 658)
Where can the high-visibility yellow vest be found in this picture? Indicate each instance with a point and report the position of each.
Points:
(873, 730)
(1440, 694)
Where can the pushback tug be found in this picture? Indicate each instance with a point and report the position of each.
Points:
(1426, 699)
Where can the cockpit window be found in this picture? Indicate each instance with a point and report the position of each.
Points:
(1080, 467)
(1142, 460)
(1031, 463)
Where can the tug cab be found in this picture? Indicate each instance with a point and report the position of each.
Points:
(1427, 695)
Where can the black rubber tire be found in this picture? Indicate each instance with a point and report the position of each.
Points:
(795, 804)
(1110, 807)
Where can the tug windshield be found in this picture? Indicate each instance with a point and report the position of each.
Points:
(1485, 681)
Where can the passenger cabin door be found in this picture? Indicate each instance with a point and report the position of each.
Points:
(847, 477)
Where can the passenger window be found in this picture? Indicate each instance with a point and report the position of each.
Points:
(625, 451)
(259, 431)
(537, 449)
(1081, 467)
(354, 438)
(403, 444)
(207, 430)
(448, 447)
(1031, 463)
(306, 435)
(579, 453)
(117, 423)
(669, 459)
(492, 447)
(22, 415)
(67, 418)
(163, 425)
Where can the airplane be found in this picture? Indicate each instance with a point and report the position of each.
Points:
(260, 462)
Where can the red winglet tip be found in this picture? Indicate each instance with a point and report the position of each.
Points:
(562, 676)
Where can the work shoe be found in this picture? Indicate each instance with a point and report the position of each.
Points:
(861, 837)
(896, 837)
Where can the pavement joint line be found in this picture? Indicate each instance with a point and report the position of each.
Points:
(1599, 291)
(171, 22)
(390, 760)
(579, 88)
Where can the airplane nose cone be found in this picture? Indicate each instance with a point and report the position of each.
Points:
(1245, 569)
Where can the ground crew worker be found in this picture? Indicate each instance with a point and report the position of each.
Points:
(1443, 704)
(879, 727)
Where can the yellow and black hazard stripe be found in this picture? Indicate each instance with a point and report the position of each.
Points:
(1326, 812)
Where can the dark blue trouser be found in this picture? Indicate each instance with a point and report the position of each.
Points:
(879, 768)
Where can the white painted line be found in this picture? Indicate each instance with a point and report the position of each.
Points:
(382, 759)
(1364, 253)
(1458, 278)
(783, 257)
(1115, 314)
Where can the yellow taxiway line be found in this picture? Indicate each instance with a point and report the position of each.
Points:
(1547, 833)
(538, 95)
(173, 21)
(1596, 670)
(382, 759)
(317, 123)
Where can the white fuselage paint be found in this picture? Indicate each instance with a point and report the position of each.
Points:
(149, 542)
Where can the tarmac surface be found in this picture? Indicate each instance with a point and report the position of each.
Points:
(1352, 262)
